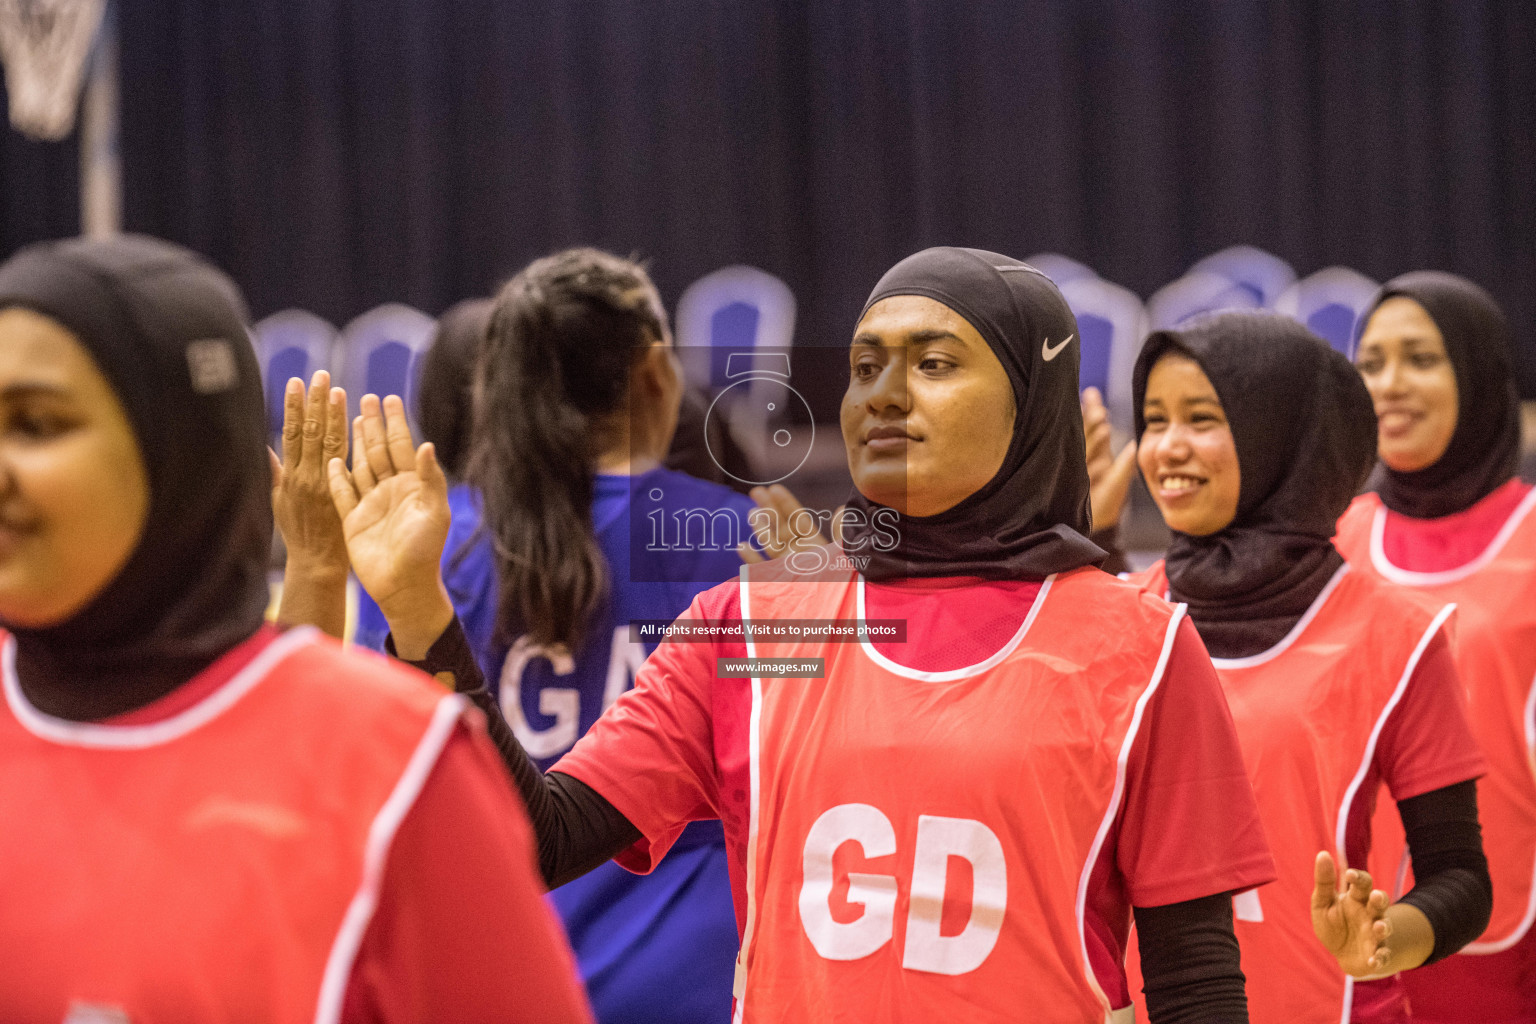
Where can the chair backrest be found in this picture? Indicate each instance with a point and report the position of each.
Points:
(1329, 302)
(1195, 293)
(1111, 324)
(736, 309)
(1264, 274)
(1059, 268)
(380, 353)
(734, 332)
(290, 343)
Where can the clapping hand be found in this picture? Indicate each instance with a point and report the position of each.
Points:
(314, 432)
(394, 517)
(315, 575)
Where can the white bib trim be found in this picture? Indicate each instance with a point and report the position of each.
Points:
(138, 737)
(1290, 638)
(381, 836)
(1410, 578)
(951, 675)
(754, 791)
(1113, 810)
(1524, 927)
(1342, 823)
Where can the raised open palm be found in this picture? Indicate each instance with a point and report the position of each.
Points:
(1109, 475)
(1352, 924)
(393, 507)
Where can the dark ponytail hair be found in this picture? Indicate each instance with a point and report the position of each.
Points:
(446, 390)
(562, 341)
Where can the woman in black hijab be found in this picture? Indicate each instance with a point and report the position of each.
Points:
(1439, 459)
(1446, 516)
(1253, 437)
(1304, 438)
(148, 314)
(1030, 518)
(1121, 788)
(199, 808)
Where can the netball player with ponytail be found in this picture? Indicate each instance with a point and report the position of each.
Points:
(1253, 437)
(1446, 518)
(959, 826)
(567, 527)
(206, 819)
(578, 389)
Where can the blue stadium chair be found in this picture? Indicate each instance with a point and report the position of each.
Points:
(1195, 293)
(1264, 274)
(734, 331)
(291, 343)
(1111, 324)
(735, 309)
(1060, 269)
(1329, 302)
(380, 353)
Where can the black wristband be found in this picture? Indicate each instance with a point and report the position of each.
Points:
(448, 652)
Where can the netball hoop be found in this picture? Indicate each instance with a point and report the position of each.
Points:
(45, 45)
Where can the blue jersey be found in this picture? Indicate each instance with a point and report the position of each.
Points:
(661, 947)
(666, 537)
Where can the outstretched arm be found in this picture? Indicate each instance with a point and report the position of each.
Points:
(1430, 760)
(394, 513)
(1451, 883)
(575, 828)
(1427, 749)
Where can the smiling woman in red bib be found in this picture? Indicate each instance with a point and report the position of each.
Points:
(1253, 437)
(959, 826)
(1447, 518)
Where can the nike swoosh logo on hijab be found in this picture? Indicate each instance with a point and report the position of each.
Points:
(1049, 352)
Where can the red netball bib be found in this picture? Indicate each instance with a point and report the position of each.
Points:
(1308, 712)
(1495, 649)
(921, 842)
(220, 865)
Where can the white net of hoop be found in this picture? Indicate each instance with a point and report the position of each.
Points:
(44, 45)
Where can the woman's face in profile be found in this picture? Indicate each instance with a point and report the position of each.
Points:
(1403, 361)
(928, 415)
(73, 489)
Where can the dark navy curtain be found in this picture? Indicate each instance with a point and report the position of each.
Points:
(334, 154)
(39, 187)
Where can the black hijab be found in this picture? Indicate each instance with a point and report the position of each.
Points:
(445, 395)
(168, 332)
(1484, 451)
(1305, 433)
(1032, 518)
